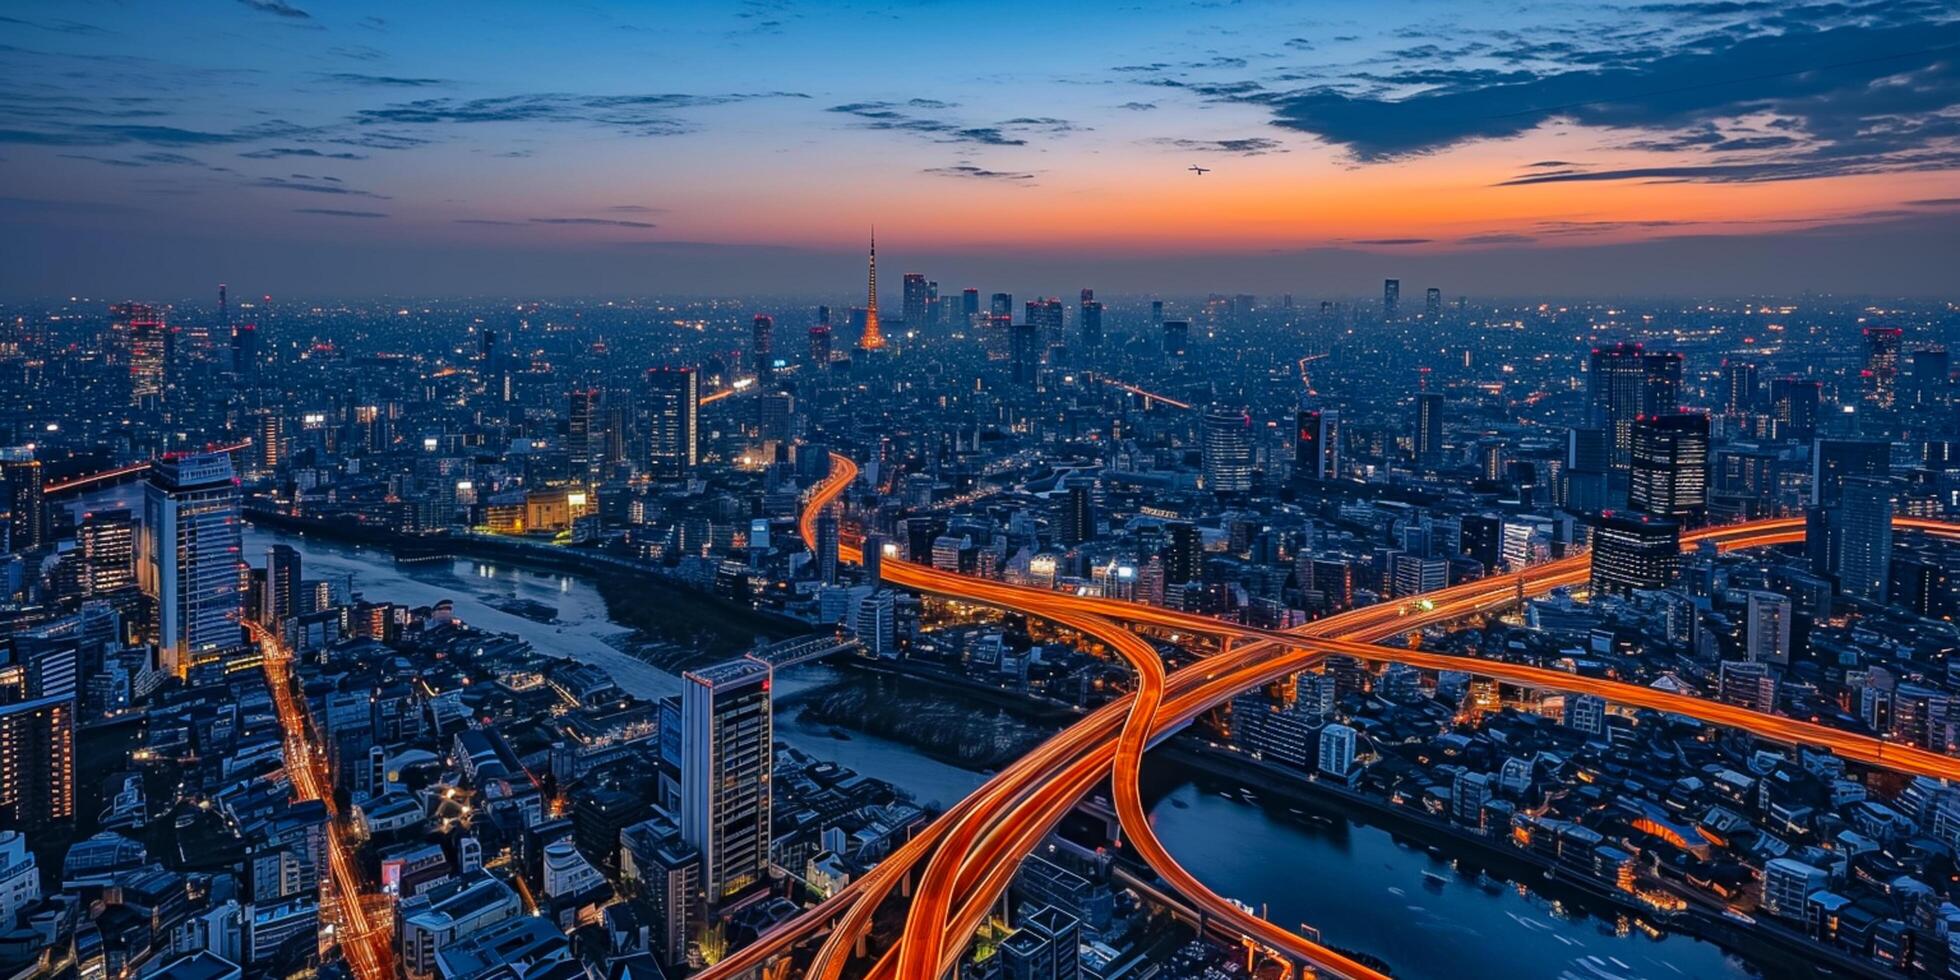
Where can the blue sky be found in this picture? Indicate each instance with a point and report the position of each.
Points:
(348, 148)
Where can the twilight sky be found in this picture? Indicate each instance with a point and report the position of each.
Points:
(326, 148)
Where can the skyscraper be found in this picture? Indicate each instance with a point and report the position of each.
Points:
(1317, 444)
(673, 410)
(1045, 316)
(1092, 326)
(872, 338)
(827, 546)
(23, 503)
(1928, 377)
(1177, 339)
(190, 558)
(107, 542)
(1077, 522)
(969, 307)
(1391, 298)
(1623, 383)
(1881, 374)
(282, 585)
(1738, 387)
(1864, 558)
(140, 330)
(1227, 449)
(1793, 407)
(820, 347)
(1670, 467)
(1633, 552)
(914, 302)
(582, 428)
(1432, 303)
(1024, 353)
(1429, 430)
(726, 760)
(37, 760)
(1832, 461)
(762, 349)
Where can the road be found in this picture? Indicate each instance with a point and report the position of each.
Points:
(365, 935)
(975, 847)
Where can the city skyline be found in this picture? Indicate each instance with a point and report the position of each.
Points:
(415, 153)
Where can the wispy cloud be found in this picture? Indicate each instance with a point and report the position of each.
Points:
(278, 8)
(978, 173)
(608, 222)
(339, 213)
(276, 152)
(906, 117)
(1249, 146)
(381, 81)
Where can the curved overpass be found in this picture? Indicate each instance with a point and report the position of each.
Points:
(986, 834)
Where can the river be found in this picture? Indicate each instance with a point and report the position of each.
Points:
(1355, 882)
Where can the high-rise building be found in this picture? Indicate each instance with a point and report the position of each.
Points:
(1317, 444)
(727, 756)
(1077, 522)
(582, 433)
(1184, 554)
(1670, 467)
(1634, 552)
(1001, 304)
(1045, 316)
(820, 347)
(1864, 552)
(872, 338)
(1832, 461)
(1177, 339)
(141, 332)
(1429, 430)
(37, 761)
(23, 503)
(1391, 298)
(913, 303)
(1432, 303)
(245, 352)
(1883, 346)
(1337, 750)
(1928, 378)
(827, 546)
(1739, 387)
(1625, 382)
(107, 542)
(1092, 317)
(673, 421)
(190, 558)
(1157, 313)
(1227, 449)
(1793, 404)
(1024, 353)
(282, 585)
(1766, 631)
(762, 349)
(969, 307)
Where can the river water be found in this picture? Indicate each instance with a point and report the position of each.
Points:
(1358, 884)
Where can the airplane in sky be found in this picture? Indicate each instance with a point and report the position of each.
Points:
(1200, 171)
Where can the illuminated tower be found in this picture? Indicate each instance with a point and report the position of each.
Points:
(872, 339)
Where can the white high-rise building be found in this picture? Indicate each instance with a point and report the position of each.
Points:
(1337, 750)
(191, 558)
(20, 878)
(726, 755)
(1767, 631)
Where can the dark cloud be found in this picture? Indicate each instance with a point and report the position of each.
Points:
(313, 185)
(1497, 238)
(115, 134)
(1250, 146)
(1390, 241)
(611, 222)
(277, 7)
(977, 173)
(892, 116)
(485, 221)
(382, 81)
(1850, 98)
(1936, 202)
(276, 152)
(633, 209)
(634, 115)
(1138, 106)
(338, 213)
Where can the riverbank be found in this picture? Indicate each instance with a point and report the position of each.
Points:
(919, 713)
(1768, 947)
(691, 627)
